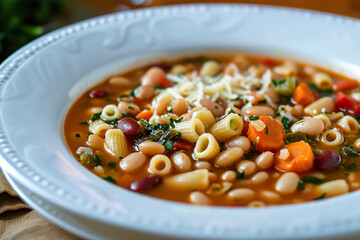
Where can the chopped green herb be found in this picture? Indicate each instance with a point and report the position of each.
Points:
(277, 114)
(231, 111)
(215, 189)
(84, 123)
(177, 120)
(159, 86)
(113, 122)
(89, 133)
(110, 179)
(309, 179)
(112, 165)
(217, 107)
(121, 158)
(349, 166)
(95, 116)
(110, 100)
(253, 118)
(262, 101)
(239, 175)
(267, 130)
(172, 122)
(286, 123)
(168, 145)
(322, 196)
(169, 108)
(322, 92)
(77, 135)
(296, 137)
(349, 151)
(130, 107)
(180, 151)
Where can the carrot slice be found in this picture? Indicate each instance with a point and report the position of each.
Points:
(303, 95)
(146, 114)
(345, 84)
(300, 158)
(270, 138)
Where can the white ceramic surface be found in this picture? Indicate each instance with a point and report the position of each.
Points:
(36, 89)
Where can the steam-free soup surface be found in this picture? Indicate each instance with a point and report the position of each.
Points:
(222, 130)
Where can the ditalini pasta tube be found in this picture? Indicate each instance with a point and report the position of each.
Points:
(190, 130)
(198, 179)
(206, 147)
(99, 127)
(205, 116)
(115, 143)
(227, 127)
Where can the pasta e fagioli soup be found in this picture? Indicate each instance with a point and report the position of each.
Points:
(222, 130)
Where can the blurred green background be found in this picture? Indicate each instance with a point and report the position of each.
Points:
(23, 20)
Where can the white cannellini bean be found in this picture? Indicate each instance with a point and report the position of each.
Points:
(309, 126)
(264, 160)
(287, 183)
(199, 198)
(333, 188)
(241, 194)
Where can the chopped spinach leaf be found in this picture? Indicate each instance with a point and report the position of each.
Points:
(168, 145)
(110, 179)
(348, 151)
(309, 179)
(322, 92)
(296, 137)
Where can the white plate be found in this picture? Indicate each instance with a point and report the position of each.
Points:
(36, 85)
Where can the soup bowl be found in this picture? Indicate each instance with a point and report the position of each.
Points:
(39, 83)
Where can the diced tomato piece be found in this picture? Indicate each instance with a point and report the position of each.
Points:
(182, 145)
(315, 94)
(347, 104)
(163, 81)
(245, 128)
(345, 84)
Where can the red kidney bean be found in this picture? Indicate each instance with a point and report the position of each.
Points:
(327, 160)
(146, 183)
(129, 126)
(98, 93)
(179, 145)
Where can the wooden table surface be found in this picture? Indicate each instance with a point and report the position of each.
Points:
(82, 9)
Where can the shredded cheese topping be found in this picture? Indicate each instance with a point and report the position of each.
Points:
(193, 88)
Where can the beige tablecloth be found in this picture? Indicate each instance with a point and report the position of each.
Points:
(19, 221)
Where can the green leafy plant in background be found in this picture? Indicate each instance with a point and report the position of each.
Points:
(22, 20)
